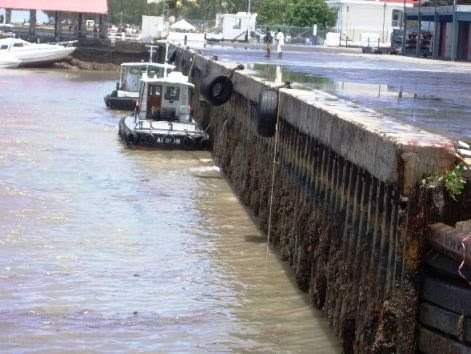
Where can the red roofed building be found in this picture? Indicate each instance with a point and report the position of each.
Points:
(95, 10)
(80, 6)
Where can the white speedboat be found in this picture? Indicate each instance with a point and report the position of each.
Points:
(34, 54)
(163, 117)
(127, 89)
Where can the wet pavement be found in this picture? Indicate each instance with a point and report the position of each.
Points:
(430, 94)
(106, 249)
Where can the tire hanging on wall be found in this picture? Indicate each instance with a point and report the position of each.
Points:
(267, 111)
(216, 89)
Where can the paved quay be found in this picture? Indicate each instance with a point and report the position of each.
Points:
(430, 94)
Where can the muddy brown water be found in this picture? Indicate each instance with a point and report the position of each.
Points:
(108, 249)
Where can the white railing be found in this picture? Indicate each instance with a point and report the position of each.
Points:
(113, 37)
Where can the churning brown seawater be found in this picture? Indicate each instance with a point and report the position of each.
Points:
(105, 249)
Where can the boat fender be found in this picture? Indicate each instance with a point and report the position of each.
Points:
(168, 140)
(132, 138)
(107, 101)
(188, 142)
(267, 110)
(204, 143)
(149, 139)
(216, 89)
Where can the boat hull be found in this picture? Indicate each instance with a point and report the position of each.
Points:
(121, 103)
(163, 134)
(9, 63)
(43, 57)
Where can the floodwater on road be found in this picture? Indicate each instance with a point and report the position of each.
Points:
(430, 94)
(108, 249)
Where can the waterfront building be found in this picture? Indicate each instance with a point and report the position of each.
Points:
(96, 10)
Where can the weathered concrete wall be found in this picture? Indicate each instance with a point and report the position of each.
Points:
(345, 212)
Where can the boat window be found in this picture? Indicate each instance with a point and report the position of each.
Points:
(152, 73)
(134, 71)
(4, 46)
(17, 44)
(155, 90)
(172, 93)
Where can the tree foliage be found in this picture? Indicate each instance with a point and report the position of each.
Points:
(301, 13)
(126, 11)
(282, 12)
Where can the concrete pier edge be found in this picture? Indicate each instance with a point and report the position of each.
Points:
(348, 209)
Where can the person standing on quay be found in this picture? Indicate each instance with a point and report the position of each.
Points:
(268, 39)
(280, 40)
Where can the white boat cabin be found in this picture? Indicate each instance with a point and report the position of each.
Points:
(166, 98)
(131, 74)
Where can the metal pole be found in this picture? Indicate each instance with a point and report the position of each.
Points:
(419, 32)
(436, 32)
(404, 25)
(384, 21)
(453, 37)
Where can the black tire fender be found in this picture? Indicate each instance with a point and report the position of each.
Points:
(267, 111)
(132, 138)
(204, 144)
(188, 142)
(216, 89)
(149, 139)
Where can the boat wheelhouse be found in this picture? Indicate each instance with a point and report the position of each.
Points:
(125, 95)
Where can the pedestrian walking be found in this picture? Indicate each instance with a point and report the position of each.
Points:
(268, 39)
(280, 40)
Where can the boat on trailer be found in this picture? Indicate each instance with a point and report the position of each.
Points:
(163, 116)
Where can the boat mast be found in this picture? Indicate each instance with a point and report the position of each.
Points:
(166, 58)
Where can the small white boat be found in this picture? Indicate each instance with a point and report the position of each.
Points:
(127, 89)
(163, 117)
(34, 54)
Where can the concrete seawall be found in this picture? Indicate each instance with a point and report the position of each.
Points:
(346, 212)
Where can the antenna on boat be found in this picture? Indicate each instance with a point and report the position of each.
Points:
(151, 51)
(166, 59)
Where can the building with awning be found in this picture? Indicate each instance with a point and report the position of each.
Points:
(440, 28)
(95, 9)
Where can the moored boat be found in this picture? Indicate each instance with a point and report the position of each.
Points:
(163, 117)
